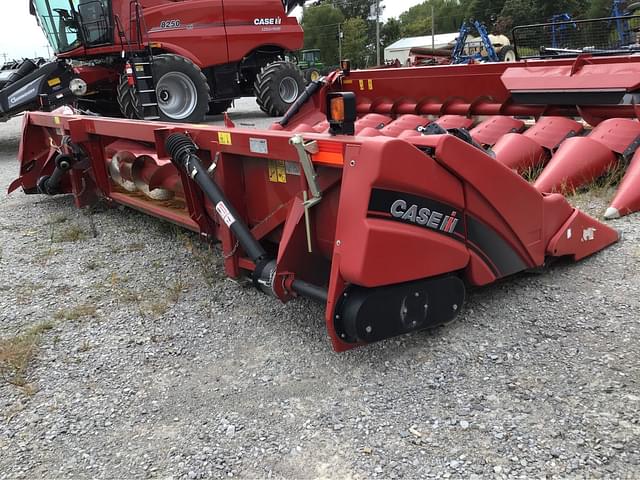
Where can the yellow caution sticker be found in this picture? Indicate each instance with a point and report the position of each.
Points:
(281, 168)
(54, 81)
(224, 138)
(347, 82)
(277, 171)
(139, 68)
(56, 120)
(273, 172)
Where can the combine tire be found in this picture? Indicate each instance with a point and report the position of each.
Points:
(216, 108)
(181, 88)
(277, 86)
(507, 54)
(128, 101)
(312, 74)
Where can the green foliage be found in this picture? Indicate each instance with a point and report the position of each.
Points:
(354, 46)
(485, 10)
(390, 32)
(321, 24)
(356, 8)
(599, 8)
(500, 16)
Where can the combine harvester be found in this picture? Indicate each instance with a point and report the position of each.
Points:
(384, 194)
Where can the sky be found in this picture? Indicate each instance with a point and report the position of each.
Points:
(20, 35)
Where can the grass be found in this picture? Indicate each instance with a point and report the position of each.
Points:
(26, 291)
(57, 220)
(75, 313)
(73, 233)
(532, 173)
(17, 353)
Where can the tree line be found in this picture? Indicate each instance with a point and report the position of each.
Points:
(345, 26)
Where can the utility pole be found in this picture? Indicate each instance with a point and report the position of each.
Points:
(378, 32)
(340, 37)
(433, 28)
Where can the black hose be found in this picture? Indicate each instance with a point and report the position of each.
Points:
(309, 92)
(182, 151)
(311, 291)
(49, 185)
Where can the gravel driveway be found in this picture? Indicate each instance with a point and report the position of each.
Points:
(150, 363)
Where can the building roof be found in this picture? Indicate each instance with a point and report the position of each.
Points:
(439, 40)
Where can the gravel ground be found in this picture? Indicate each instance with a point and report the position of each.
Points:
(152, 364)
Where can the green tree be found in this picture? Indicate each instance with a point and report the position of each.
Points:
(321, 26)
(599, 8)
(517, 12)
(354, 45)
(486, 11)
(390, 32)
(356, 8)
(449, 14)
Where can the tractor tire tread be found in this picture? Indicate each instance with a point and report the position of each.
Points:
(266, 91)
(128, 101)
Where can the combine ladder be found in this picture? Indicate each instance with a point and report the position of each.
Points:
(145, 87)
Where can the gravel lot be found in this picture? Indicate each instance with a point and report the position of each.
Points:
(152, 364)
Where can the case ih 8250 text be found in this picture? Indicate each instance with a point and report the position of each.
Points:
(374, 194)
(170, 60)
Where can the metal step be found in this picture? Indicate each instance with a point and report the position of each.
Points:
(152, 118)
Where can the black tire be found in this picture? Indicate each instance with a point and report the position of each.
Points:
(507, 54)
(311, 74)
(128, 101)
(218, 107)
(184, 77)
(268, 87)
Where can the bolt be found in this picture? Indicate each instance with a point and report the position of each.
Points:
(343, 335)
(352, 163)
(337, 317)
(368, 329)
(416, 294)
(455, 307)
(338, 243)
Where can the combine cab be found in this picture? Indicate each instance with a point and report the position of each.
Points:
(384, 194)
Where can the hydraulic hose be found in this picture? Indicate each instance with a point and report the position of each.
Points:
(183, 154)
(182, 151)
(309, 92)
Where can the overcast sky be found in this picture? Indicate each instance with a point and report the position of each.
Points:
(20, 35)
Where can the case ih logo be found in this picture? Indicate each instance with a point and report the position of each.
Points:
(267, 21)
(419, 211)
(425, 217)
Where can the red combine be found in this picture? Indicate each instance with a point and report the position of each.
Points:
(176, 60)
(384, 194)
